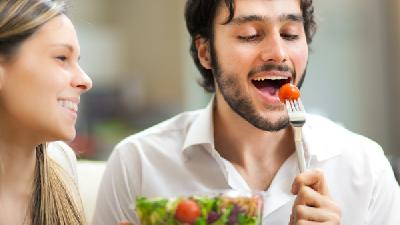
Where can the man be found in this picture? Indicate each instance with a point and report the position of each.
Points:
(245, 50)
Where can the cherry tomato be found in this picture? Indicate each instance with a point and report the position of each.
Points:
(187, 211)
(288, 92)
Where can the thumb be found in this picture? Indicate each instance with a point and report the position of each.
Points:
(125, 223)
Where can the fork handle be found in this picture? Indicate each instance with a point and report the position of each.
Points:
(299, 148)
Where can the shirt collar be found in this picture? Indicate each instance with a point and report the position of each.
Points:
(202, 129)
(319, 134)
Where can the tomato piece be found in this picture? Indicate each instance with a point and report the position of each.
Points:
(187, 211)
(288, 92)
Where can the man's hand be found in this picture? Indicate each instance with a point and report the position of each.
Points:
(125, 223)
(313, 204)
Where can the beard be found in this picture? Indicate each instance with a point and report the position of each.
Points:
(241, 104)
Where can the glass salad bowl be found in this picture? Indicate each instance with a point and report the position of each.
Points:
(216, 208)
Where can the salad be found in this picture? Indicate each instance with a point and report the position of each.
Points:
(200, 210)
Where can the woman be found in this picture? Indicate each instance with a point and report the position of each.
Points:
(40, 87)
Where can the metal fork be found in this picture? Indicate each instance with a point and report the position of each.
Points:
(297, 118)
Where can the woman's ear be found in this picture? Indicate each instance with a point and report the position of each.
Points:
(203, 52)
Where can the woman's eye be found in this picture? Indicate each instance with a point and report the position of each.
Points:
(249, 38)
(289, 37)
(61, 58)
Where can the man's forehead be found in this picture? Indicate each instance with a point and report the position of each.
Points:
(260, 9)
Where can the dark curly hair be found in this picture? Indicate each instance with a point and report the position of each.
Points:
(200, 15)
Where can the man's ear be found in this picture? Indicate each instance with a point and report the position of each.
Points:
(203, 52)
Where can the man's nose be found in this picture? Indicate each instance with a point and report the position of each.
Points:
(274, 49)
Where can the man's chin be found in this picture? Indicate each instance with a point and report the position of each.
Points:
(269, 124)
(275, 108)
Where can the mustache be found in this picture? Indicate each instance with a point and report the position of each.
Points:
(272, 67)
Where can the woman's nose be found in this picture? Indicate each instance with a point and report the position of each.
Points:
(82, 80)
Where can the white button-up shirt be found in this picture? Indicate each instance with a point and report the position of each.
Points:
(178, 157)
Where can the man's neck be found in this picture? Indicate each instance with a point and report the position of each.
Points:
(236, 137)
(255, 153)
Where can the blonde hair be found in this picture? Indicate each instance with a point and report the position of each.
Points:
(55, 198)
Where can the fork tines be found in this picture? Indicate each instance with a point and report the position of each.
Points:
(296, 111)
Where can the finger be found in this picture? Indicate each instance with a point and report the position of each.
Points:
(321, 215)
(305, 222)
(307, 196)
(125, 223)
(307, 200)
(310, 197)
(312, 178)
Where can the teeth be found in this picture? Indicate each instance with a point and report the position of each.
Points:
(68, 104)
(270, 78)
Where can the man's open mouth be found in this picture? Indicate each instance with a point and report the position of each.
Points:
(270, 85)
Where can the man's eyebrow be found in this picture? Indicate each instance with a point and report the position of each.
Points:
(248, 18)
(292, 17)
(257, 18)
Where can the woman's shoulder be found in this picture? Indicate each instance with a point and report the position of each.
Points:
(64, 156)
